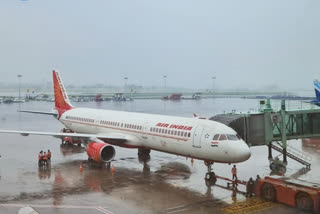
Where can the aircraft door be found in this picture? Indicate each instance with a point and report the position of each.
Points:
(197, 137)
(145, 130)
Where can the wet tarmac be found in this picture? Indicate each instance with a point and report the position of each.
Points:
(166, 184)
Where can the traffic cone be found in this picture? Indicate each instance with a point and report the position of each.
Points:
(80, 169)
(112, 169)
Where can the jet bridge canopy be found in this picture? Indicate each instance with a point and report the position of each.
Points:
(268, 125)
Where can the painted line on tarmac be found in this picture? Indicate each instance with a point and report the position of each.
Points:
(177, 211)
(101, 209)
(49, 206)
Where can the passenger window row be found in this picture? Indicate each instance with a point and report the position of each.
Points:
(131, 126)
(109, 123)
(87, 120)
(225, 137)
(170, 132)
(128, 126)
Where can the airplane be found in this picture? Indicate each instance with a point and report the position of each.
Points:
(316, 84)
(101, 130)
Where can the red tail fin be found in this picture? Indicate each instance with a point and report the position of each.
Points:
(62, 102)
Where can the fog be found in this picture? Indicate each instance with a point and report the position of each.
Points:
(264, 44)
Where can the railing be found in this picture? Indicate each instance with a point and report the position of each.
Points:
(295, 154)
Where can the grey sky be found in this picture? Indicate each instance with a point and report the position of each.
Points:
(245, 44)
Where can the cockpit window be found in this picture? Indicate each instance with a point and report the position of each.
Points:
(216, 137)
(223, 137)
(232, 137)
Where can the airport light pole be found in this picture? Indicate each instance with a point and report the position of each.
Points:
(213, 78)
(125, 82)
(165, 81)
(19, 78)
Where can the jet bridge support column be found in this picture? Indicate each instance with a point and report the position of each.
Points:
(270, 117)
(283, 131)
(270, 151)
(267, 110)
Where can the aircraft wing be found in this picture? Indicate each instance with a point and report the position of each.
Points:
(110, 138)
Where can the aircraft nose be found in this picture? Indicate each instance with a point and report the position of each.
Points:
(245, 153)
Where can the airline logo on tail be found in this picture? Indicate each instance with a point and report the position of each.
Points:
(62, 102)
(317, 89)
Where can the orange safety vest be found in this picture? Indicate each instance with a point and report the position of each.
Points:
(45, 157)
(234, 170)
(39, 156)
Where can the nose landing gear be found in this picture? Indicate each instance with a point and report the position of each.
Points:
(210, 178)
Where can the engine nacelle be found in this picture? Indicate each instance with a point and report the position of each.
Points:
(100, 152)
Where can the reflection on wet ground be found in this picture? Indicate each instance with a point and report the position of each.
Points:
(143, 191)
(140, 187)
(311, 145)
(69, 149)
(165, 184)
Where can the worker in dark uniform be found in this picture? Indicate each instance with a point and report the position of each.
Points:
(49, 155)
(234, 173)
(45, 159)
(250, 187)
(256, 182)
(258, 178)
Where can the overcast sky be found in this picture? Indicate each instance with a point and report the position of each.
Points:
(244, 44)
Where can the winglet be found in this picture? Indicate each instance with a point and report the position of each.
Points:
(62, 102)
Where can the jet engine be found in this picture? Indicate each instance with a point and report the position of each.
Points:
(100, 152)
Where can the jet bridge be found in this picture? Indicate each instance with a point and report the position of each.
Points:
(274, 127)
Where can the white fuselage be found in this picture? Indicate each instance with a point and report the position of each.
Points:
(191, 137)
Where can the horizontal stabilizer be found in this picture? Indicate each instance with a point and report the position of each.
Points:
(40, 112)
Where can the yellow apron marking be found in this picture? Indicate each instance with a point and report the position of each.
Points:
(249, 206)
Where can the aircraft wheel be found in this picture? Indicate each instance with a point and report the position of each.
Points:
(144, 155)
(208, 184)
(210, 179)
(272, 166)
(282, 169)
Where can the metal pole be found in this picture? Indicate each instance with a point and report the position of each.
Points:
(270, 151)
(19, 78)
(125, 82)
(283, 130)
(213, 78)
(165, 81)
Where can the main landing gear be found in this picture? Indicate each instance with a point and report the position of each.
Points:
(210, 177)
(144, 155)
(94, 164)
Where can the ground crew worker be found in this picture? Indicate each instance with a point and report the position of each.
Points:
(40, 158)
(49, 155)
(258, 178)
(250, 186)
(45, 158)
(234, 173)
(256, 182)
